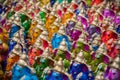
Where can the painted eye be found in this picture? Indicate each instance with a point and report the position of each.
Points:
(51, 19)
(54, 29)
(108, 34)
(12, 31)
(114, 73)
(57, 77)
(36, 32)
(59, 38)
(19, 71)
(35, 52)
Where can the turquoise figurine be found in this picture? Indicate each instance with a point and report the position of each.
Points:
(56, 40)
(22, 72)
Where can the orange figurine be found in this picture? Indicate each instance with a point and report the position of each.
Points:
(36, 32)
(66, 16)
(53, 29)
(11, 61)
(32, 26)
(49, 21)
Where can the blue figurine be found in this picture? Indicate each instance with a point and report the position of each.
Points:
(56, 40)
(80, 71)
(13, 30)
(22, 73)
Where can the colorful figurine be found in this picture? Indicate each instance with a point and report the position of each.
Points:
(79, 70)
(53, 29)
(42, 62)
(11, 61)
(50, 19)
(57, 72)
(35, 34)
(113, 71)
(22, 72)
(34, 52)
